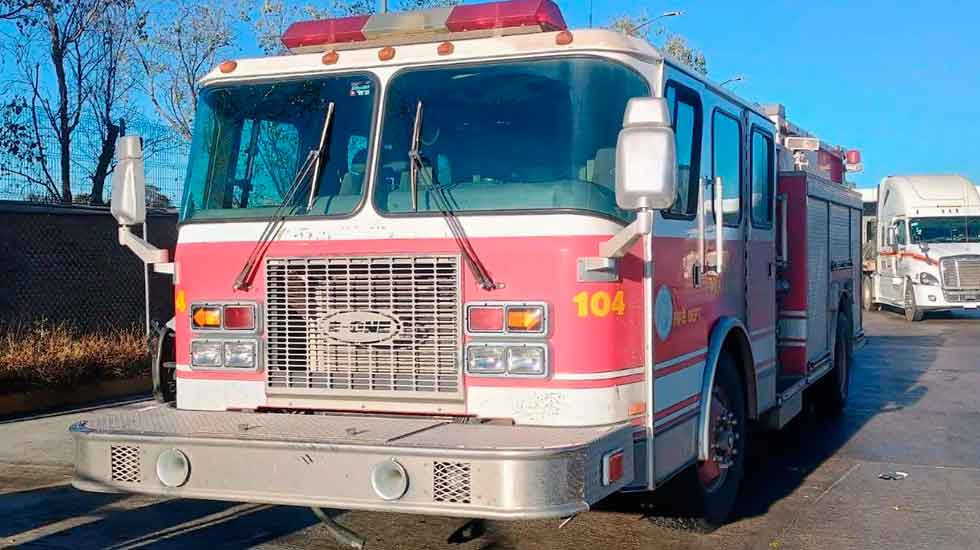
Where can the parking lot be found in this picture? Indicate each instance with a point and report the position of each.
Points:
(914, 408)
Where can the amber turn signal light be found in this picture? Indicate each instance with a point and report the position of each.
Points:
(206, 317)
(525, 319)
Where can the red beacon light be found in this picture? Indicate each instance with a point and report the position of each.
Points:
(544, 14)
(525, 15)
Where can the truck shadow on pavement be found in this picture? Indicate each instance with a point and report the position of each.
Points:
(115, 521)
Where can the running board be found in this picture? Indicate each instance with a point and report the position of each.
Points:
(789, 402)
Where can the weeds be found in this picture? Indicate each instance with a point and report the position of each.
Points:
(47, 355)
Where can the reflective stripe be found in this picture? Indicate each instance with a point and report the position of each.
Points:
(598, 375)
(792, 329)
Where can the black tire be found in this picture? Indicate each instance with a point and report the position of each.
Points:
(831, 391)
(162, 357)
(867, 295)
(912, 312)
(711, 504)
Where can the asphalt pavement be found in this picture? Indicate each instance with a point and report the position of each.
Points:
(914, 409)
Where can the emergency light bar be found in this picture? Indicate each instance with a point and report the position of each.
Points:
(532, 15)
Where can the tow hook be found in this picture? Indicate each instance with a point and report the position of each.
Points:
(341, 534)
(470, 531)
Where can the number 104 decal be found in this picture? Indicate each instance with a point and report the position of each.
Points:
(600, 304)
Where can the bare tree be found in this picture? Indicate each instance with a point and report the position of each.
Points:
(182, 41)
(112, 84)
(675, 45)
(54, 86)
(14, 9)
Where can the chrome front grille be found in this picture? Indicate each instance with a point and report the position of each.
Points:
(961, 272)
(364, 325)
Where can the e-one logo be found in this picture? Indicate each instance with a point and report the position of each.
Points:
(361, 327)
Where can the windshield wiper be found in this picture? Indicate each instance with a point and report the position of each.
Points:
(313, 161)
(479, 271)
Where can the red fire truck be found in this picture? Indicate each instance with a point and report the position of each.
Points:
(468, 262)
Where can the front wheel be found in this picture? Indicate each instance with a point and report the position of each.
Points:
(868, 295)
(912, 312)
(711, 486)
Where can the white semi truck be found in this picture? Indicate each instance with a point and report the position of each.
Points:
(927, 241)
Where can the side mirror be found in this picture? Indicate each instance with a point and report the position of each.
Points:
(891, 238)
(646, 159)
(128, 204)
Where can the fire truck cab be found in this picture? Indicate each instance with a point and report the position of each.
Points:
(468, 262)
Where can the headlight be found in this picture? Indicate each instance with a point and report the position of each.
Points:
(928, 279)
(205, 353)
(486, 359)
(240, 354)
(526, 361)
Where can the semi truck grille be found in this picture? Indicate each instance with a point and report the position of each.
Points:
(364, 325)
(961, 272)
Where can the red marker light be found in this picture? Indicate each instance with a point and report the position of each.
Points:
(854, 156)
(240, 317)
(485, 319)
(325, 31)
(613, 466)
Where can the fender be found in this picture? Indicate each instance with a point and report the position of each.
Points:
(719, 334)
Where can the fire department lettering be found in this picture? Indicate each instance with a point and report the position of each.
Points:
(361, 327)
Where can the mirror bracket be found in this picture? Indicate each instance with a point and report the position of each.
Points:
(605, 266)
(144, 250)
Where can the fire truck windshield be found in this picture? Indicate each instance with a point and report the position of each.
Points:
(528, 135)
(958, 229)
(250, 140)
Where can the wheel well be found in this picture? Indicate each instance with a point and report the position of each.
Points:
(738, 347)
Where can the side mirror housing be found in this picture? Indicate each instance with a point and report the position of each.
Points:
(646, 159)
(890, 238)
(128, 203)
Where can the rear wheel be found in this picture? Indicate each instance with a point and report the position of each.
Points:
(711, 486)
(912, 312)
(832, 389)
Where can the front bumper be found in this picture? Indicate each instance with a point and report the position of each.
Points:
(930, 297)
(454, 469)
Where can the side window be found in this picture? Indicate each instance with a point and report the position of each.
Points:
(726, 164)
(900, 233)
(685, 116)
(762, 179)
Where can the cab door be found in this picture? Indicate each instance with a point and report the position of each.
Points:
(760, 267)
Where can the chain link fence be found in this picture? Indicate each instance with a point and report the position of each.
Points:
(165, 160)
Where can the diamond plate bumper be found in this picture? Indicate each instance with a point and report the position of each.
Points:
(454, 469)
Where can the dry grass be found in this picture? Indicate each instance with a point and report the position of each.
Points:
(48, 355)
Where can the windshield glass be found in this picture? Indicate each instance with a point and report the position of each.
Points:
(945, 230)
(249, 141)
(529, 135)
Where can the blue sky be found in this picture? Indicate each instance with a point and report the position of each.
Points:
(898, 80)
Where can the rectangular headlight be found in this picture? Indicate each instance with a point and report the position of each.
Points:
(526, 361)
(486, 359)
(240, 354)
(205, 353)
